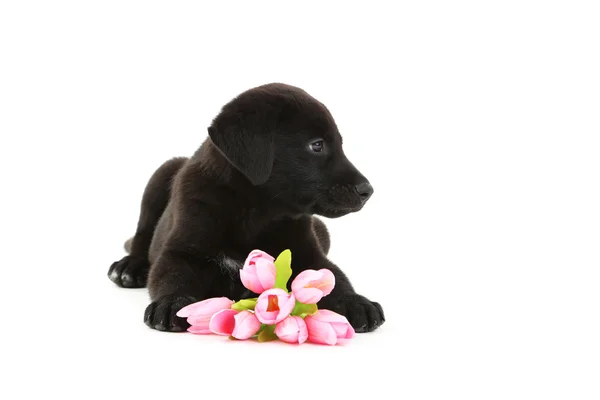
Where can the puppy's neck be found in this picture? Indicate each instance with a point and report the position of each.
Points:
(216, 167)
(213, 163)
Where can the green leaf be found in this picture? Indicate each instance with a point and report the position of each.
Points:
(267, 334)
(302, 310)
(283, 265)
(244, 304)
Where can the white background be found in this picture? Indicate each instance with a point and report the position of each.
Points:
(476, 122)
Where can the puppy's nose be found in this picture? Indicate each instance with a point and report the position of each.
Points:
(364, 190)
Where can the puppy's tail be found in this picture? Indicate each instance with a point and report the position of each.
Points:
(127, 245)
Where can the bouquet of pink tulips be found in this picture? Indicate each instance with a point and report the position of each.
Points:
(275, 313)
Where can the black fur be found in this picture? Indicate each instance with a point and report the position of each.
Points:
(255, 183)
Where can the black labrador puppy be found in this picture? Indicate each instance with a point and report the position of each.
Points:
(273, 159)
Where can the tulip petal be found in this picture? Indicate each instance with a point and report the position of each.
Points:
(246, 325)
(340, 329)
(200, 320)
(286, 326)
(265, 272)
(260, 254)
(292, 330)
(263, 298)
(199, 330)
(338, 324)
(320, 332)
(350, 333)
(208, 306)
(329, 316)
(223, 322)
(287, 307)
(248, 260)
(310, 285)
(305, 277)
(287, 330)
(267, 317)
(302, 331)
(327, 281)
(308, 295)
(250, 281)
(285, 303)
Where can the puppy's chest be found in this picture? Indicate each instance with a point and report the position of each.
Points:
(230, 265)
(272, 237)
(231, 262)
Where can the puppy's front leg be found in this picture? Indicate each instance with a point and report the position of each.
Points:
(363, 314)
(174, 282)
(185, 271)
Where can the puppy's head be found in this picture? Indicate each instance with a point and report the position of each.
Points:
(288, 145)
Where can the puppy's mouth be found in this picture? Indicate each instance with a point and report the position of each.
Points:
(337, 201)
(328, 210)
(336, 213)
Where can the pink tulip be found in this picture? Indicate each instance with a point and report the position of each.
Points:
(327, 327)
(292, 330)
(246, 325)
(310, 285)
(274, 305)
(258, 273)
(199, 314)
(223, 322)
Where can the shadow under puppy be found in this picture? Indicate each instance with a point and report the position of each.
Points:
(272, 160)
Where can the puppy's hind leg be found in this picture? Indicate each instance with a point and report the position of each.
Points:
(132, 270)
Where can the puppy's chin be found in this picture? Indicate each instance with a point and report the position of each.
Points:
(331, 212)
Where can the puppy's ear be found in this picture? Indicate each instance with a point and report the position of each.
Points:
(247, 144)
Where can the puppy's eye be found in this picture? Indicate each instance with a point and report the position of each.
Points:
(317, 146)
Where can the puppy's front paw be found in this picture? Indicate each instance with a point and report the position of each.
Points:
(160, 315)
(363, 314)
(129, 272)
